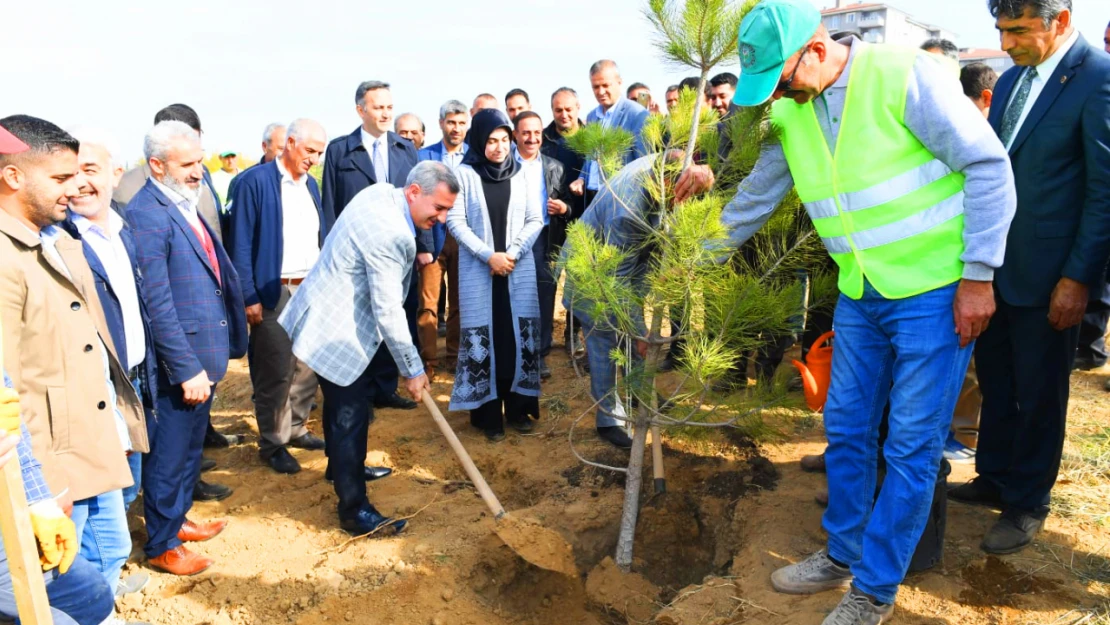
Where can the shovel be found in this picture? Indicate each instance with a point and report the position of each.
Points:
(538, 545)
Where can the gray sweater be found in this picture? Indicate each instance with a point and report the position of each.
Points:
(947, 123)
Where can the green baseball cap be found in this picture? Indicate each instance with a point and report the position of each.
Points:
(227, 154)
(771, 33)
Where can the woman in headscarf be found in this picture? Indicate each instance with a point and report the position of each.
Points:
(495, 220)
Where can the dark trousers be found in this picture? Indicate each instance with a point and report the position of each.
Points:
(1092, 332)
(348, 411)
(172, 467)
(1024, 366)
(545, 284)
(384, 371)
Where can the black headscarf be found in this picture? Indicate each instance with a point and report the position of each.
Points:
(481, 127)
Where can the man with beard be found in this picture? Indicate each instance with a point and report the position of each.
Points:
(516, 102)
(197, 324)
(454, 120)
(80, 409)
(548, 181)
(565, 122)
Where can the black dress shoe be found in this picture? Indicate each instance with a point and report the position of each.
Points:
(616, 436)
(283, 462)
(215, 440)
(207, 464)
(1086, 363)
(203, 491)
(368, 473)
(1012, 532)
(495, 436)
(977, 492)
(307, 441)
(370, 520)
(545, 371)
(395, 401)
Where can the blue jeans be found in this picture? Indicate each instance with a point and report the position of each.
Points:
(603, 371)
(131, 493)
(80, 597)
(102, 529)
(911, 341)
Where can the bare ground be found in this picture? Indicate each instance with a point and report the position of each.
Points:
(734, 511)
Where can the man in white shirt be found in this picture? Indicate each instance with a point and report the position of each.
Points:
(221, 179)
(275, 236)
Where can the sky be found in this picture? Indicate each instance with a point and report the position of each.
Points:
(245, 63)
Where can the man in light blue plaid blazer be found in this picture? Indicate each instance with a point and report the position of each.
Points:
(349, 314)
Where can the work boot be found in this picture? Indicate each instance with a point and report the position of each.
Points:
(814, 574)
(1013, 531)
(856, 608)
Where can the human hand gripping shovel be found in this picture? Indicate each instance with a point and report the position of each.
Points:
(538, 545)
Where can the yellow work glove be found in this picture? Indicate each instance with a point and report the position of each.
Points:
(9, 411)
(56, 535)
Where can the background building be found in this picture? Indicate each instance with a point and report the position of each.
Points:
(881, 23)
(997, 60)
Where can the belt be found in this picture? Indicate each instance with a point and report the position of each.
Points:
(292, 281)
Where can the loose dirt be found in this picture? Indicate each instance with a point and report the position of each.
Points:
(735, 510)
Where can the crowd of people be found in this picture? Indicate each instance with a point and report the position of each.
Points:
(967, 217)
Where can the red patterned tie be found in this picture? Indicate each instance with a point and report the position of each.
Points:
(206, 243)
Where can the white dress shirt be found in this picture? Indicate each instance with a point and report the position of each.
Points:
(111, 252)
(1043, 72)
(300, 226)
(368, 142)
(533, 175)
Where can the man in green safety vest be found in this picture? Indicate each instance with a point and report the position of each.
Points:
(912, 193)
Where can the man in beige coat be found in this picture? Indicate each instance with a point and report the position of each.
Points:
(78, 403)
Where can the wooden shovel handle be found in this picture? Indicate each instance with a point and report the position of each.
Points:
(471, 471)
(23, 551)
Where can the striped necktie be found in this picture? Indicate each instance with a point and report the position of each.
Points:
(1017, 105)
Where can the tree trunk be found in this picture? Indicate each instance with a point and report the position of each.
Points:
(634, 477)
(693, 144)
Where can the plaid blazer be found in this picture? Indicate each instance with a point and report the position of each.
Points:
(197, 322)
(353, 298)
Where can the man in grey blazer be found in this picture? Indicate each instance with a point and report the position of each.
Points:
(349, 314)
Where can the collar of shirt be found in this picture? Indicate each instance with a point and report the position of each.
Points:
(603, 114)
(49, 237)
(400, 195)
(287, 177)
(525, 161)
(842, 80)
(369, 139)
(1048, 66)
(84, 225)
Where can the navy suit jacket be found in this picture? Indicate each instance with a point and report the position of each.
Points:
(113, 310)
(255, 240)
(198, 322)
(1061, 161)
(439, 231)
(348, 170)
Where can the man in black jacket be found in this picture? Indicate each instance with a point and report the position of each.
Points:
(564, 111)
(547, 179)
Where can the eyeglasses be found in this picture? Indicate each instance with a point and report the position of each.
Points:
(786, 84)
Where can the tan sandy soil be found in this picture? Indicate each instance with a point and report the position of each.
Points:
(734, 512)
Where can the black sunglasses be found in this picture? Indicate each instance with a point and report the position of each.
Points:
(786, 84)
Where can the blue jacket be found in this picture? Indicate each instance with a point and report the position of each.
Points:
(255, 241)
(1060, 156)
(627, 115)
(197, 321)
(113, 310)
(439, 231)
(348, 170)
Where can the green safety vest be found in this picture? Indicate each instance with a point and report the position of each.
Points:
(887, 210)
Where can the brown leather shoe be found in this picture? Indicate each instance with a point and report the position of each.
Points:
(194, 533)
(180, 561)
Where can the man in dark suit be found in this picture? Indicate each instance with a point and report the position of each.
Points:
(197, 323)
(277, 230)
(547, 179)
(1052, 112)
(371, 154)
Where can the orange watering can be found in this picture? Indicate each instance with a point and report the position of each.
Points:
(816, 372)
